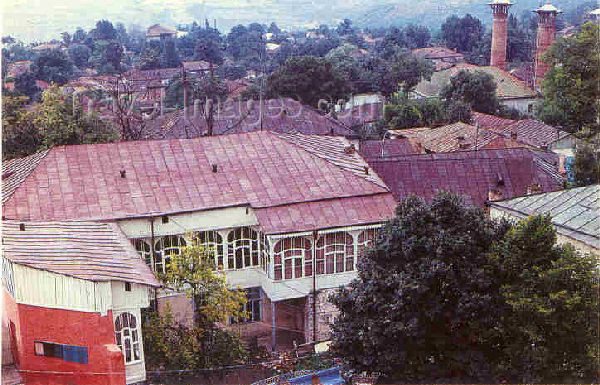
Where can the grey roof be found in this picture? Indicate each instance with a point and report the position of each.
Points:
(87, 250)
(575, 212)
(15, 171)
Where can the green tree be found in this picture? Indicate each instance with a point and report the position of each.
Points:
(150, 56)
(520, 43)
(587, 165)
(104, 31)
(209, 47)
(53, 66)
(25, 85)
(417, 36)
(169, 56)
(19, 135)
(79, 36)
(401, 73)
(308, 79)
(549, 319)
(193, 272)
(476, 89)
(462, 33)
(345, 28)
(423, 307)
(80, 54)
(570, 88)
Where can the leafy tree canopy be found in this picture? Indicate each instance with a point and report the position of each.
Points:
(53, 66)
(462, 33)
(477, 89)
(587, 165)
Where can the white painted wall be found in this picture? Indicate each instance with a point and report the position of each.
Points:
(524, 105)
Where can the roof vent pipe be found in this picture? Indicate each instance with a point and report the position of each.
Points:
(22, 226)
(214, 168)
(123, 173)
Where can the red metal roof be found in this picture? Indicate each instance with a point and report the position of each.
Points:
(325, 214)
(15, 171)
(489, 121)
(470, 173)
(260, 169)
(236, 117)
(87, 250)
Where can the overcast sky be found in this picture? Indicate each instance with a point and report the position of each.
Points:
(35, 20)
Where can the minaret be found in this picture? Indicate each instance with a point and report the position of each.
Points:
(499, 32)
(545, 37)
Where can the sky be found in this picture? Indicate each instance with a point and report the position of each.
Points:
(40, 20)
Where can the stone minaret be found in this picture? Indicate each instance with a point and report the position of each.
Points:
(545, 37)
(499, 32)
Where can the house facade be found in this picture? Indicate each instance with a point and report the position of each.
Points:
(286, 216)
(73, 293)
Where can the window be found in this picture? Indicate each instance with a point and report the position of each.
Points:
(69, 353)
(335, 253)
(164, 248)
(264, 252)
(127, 286)
(293, 258)
(213, 242)
(365, 239)
(252, 308)
(243, 248)
(127, 336)
(144, 249)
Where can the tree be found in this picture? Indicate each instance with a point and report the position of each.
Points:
(308, 79)
(25, 85)
(345, 28)
(150, 56)
(463, 34)
(417, 36)
(80, 54)
(107, 56)
(520, 43)
(570, 87)
(19, 136)
(402, 72)
(193, 272)
(447, 295)
(79, 36)
(208, 47)
(274, 29)
(476, 89)
(550, 305)
(169, 56)
(53, 66)
(587, 165)
(404, 112)
(104, 31)
(66, 38)
(423, 307)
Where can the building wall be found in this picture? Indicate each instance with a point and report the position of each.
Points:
(523, 105)
(95, 331)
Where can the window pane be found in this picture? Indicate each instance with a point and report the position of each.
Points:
(132, 321)
(136, 351)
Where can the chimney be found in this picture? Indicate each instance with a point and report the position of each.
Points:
(499, 32)
(513, 135)
(545, 37)
(534, 188)
(350, 149)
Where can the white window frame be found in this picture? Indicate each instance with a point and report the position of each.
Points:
(164, 253)
(212, 240)
(247, 244)
(295, 254)
(335, 245)
(128, 334)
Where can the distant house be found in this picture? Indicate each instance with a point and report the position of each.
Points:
(18, 68)
(160, 33)
(441, 57)
(480, 176)
(197, 67)
(511, 91)
(531, 132)
(575, 214)
(72, 298)
(46, 47)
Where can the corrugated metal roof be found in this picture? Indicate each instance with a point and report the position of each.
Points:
(149, 178)
(15, 171)
(87, 250)
(390, 147)
(575, 212)
(470, 173)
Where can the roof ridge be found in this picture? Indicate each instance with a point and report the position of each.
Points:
(12, 179)
(357, 160)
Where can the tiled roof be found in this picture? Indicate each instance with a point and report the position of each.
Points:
(198, 65)
(437, 53)
(86, 250)
(457, 137)
(533, 132)
(157, 30)
(390, 147)
(508, 86)
(145, 178)
(15, 171)
(325, 214)
(525, 73)
(237, 117)
(489, 121)
(470, 173)
(575, 212)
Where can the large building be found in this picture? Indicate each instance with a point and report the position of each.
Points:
(286, 215)
(72, 294)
